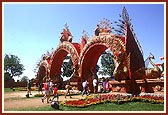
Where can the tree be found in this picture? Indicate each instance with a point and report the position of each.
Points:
(67, 67)
(8, 78)
(107, 64)
(24, 79)
(12, 66)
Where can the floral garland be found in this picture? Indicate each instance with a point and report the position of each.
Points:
(118, 99)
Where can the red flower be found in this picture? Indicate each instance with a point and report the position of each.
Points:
(113, 98)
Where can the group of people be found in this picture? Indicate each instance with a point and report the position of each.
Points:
(50, 88)
(101, 86)
(86, 89)
(104, 86)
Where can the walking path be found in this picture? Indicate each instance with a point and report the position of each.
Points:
(14, 100)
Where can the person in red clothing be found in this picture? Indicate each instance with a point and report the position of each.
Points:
(55, 92)
(46, 90)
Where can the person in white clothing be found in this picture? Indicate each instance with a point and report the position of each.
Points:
(51, 87)
(94, 84)
(85, 88)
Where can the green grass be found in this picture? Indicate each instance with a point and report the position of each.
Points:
(16, 89)
(42, 108)
(8, 90)
(131, 106)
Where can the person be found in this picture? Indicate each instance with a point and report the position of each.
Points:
(107, 86)
(55, 92)
(68, 88)
(85, 88)
(29, 87)
(104, 85)
(100, 86)
(40, 88)
(94, 85)
(47, 92)
(51, 87)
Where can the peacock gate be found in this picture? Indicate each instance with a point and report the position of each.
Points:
(130, 74)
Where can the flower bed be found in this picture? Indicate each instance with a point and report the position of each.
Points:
(118, 99)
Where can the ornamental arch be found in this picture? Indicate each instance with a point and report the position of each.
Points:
(124, 45)
(41, 73)
(60, 53)
(92, 51)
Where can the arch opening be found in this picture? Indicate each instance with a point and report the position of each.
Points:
(90, 60)
(106, 64)
(57, 63)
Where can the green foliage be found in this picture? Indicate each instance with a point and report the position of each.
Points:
(67, 67)
(24, 79)
(8, 90)
(12, 66)
(107, 64)
(8, 77)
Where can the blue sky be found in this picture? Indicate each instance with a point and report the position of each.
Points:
(32, 29)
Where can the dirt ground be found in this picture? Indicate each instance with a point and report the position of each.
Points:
(12, 100)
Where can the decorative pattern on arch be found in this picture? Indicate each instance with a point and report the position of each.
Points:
(42, 72)
(114, 42)
(96, 47)
(60, 53)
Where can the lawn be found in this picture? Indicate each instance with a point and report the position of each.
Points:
(107, 106)
(130, 106)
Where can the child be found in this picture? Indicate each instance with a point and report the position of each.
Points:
(55, 92)
(68, 88)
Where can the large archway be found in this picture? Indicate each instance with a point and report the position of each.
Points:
(60, 53)
(124, 46)
(93, 50)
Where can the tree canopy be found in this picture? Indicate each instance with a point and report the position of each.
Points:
(67, 67)
(107, 64)
(12, 66)
(24, 79)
